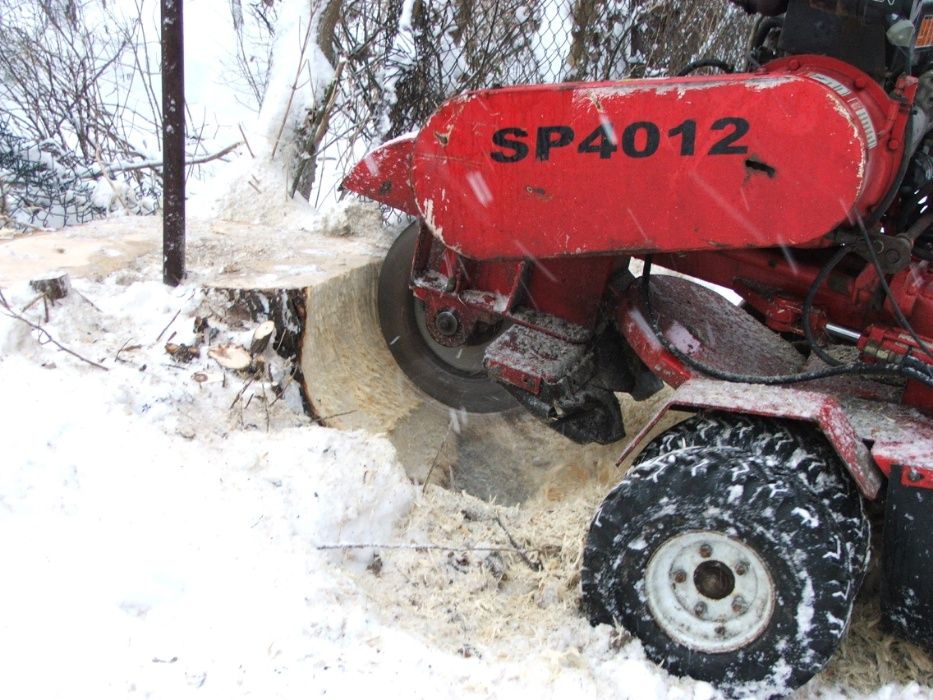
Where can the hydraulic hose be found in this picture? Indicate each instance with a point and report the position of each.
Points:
(908, 367)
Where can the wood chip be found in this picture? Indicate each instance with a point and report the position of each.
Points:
(208, 377)
(261, 336)
(182, 352)
(231, 357)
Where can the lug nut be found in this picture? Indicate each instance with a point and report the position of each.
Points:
(706, 551)
(447, 323)
(741, 568)
(680, 576)
(739, 605)
(699, 609)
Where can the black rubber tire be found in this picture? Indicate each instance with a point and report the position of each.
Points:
(788, 448)
(472, 391)
(728, 492)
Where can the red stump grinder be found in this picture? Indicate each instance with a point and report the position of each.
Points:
(736, 544)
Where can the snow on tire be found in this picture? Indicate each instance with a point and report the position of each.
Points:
(788, 448)
(726, 571)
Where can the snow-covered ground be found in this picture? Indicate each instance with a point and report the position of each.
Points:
(174, 530)
(171, 530)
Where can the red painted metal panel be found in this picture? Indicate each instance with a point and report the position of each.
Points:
(778, 402)
(385, 175)
(666, 165)
(917, 478)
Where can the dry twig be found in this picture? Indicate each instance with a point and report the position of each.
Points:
(245, 141)
(320, 419)
(291, 96)
(533, 565)
(156, 164)
(168, 326)
(239, 394)
(127, 348)
(429, 547)
(437, 456)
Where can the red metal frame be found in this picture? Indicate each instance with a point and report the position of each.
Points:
(851, 415)
(525, 291)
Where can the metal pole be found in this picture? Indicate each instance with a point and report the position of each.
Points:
(173, 143)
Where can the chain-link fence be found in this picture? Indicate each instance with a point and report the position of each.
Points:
(39, 187)
(78, 89)
(402, 60)
(44, 186)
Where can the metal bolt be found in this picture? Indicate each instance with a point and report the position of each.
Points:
(793, 64)
(680, 576)
(894, 144)
(739, 605)
(741, 568)
(860, 83)
(699, 609)
(913, 476)
(706, 551)
(447, 323)
(721, 631)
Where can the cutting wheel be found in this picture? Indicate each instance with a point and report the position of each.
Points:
(353, 382)
(455, 376)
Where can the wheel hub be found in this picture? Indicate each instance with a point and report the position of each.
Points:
(462, 358)
(709, 592)
(447, 322)
(714, 579)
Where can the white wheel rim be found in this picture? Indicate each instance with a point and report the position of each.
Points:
(709, 592)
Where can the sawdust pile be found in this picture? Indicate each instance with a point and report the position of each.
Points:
(493, 572)
(869, 658)
(500, 578)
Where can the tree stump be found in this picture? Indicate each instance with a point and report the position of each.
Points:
(54, 288)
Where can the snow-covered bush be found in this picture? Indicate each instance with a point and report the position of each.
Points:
(39, 186)
(42, 186)
(79, 95)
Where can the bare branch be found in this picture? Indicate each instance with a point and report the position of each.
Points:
(157, 164)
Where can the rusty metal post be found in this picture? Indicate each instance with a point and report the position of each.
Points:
(173, 143)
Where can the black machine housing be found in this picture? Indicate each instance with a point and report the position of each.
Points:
(873, 35)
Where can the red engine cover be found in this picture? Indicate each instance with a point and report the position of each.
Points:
(776, 158)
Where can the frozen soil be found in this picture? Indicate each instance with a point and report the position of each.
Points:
(182, 530)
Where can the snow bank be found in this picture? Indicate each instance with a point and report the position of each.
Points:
(139, 560)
